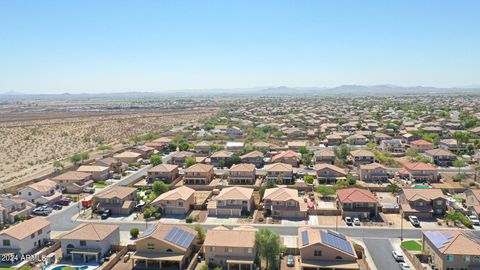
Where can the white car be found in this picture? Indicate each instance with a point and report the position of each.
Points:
(474, 220)
(356, 221)
(404, 266)
(398, 256)
(414, 220)
(348, 220)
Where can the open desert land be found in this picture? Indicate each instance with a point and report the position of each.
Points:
(31, 141)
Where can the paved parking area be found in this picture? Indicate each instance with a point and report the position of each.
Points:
(381, 252)
(331, 221)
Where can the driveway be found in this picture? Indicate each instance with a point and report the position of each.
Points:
(313, 220)
(295, 222)
(221, 221)
(381, 252)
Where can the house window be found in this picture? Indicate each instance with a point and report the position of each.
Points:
(317, 253)
(29, 194)
(150, 246)
(449, 258)
(32, 235)
(466, 258)
(338, 258)
(212, 249)
(83, 243)
(439, 202)
(420, 203)
(6, 242)
(180, 204)
(476, 259)
(39, 231)
(250, 250)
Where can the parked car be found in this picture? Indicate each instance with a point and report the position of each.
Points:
(64, 201)
(414, 220)
(89, 189)
(106, 214)
(474, 220)
(57, 206)
(116, 177)
(290, 261)
(349, 221)
(40, 212)
(398, 256)
(356, 221)
(404, 266)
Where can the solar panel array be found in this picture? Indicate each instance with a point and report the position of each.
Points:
(439, 239)
(337, 241)
(304, 238)
(180, 237)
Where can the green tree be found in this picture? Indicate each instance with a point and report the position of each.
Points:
(155, 160)
(309, 179)
(104, 148)
(79, 157)
(269, 184)
(189, 161)
(462, 137)
(159, 187)
(393, 188)
(183, 147)
(58, 166)
(326, 190)
(269, 247)
(200, 231)
(134, 232)
(342, 151)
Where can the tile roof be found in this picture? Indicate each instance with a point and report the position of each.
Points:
(92, 168)
(279, 167)
(281, 194)
(91, 231)
(116, 192)
(235, 193)
(44, 185)
(199, 167)
(243, 167)
(323, 166)
(352, 195)
(181, 193)
(426, 194)
(454, 242)
(223, 237)
(26, 228)
(420, 166)
(163, 168)
(361, 153)
(161, 231)
(286, 154)
(72, 176)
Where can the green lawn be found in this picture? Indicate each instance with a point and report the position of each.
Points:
(412, 245)
(99, 185)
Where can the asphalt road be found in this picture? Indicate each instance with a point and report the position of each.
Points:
(381, 252)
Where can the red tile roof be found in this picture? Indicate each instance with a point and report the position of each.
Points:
(352, 195)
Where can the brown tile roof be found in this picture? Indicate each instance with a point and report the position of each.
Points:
(324, 153)
(199, 167)
(315, 237)
(455, 242)
(426, 194)
(25, 229)
(361, 153)
(44, 185)
(91, 231)
(72, 176)
(116, 192)
(440, 152)
(252, 154)
(371, 166)
(92, 168)
(323, 166)
(286, 154)
(181, 193)
(279, 167)
(421, 142)
(420, 166)
(223, 237)
(281, 194)
(222, 154)
(242, 167)
(128, 154)
(352, 195)
(163, 168)
(235, 193)
(182, 154)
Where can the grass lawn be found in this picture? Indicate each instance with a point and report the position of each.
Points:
(412, 245)
(99, 185)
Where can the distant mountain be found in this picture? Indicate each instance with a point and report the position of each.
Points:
(11, 93)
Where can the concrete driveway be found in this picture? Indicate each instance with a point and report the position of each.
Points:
(381, 252)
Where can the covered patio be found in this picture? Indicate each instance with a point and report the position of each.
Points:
(144, 260)
(238, 264)
(331, 265)
(85, 254)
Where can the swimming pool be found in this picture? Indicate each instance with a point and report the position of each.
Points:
(75, 267)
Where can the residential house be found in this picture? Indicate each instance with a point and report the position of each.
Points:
(452, 145)
(254, 157)
(178, 158)
(219, 159)
(234, 132)
(361, 156)
(287, 157)
(394, 147)
(198, 174)
(43, 192)
(118, 199)
(232, 202)
(284, 203)
(296, 145)
(441, 157)
(203, 147)
(177, 201)
(327, 173)
(356, 202)
(74, 181)
(145, 151)
(325, 156)
(452, 249)
(422, 202)
(116, 165)
(422, 145)
(230, 249)
(89, 242)
(99, 173)
(357, 139)
(164, 172)
(334, 139)
(234, 146)
(24, 238)
(472, 201)
(379, 137)
(325, 249)
(166, 245)
(280, 173)
(241, 174)
(128, 157)
(294, 133)
(13, 208)
(373, 172)
(420, 172)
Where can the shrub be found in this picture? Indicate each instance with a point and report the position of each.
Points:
(134, 232)
(204, 267)
(191, 219)
(261, 219)
(309, 179)
(157, 215)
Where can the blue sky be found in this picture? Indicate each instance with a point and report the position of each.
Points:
(56, 46)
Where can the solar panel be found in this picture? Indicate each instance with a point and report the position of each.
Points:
(304, 238)
(337, 241)
(180, 237)
(439, 239)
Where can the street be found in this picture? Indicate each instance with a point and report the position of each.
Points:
(381, 252)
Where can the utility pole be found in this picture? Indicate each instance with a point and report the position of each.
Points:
(401, 229)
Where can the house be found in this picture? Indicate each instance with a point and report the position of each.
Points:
(99, 173)
(373, 172)
(230, 249)
(325, 156)
(287, 157)
(327, 173)
(13, 208)
(451, 145)
(254, 157)
(472, 201)
(379, 137)
(177, 201)
(296, 145)
(280, 173)
(232, 202)
(89, 242)
(294, 133)
(169, 246)
(128, 157)
(24, 238)
(420, 172)
(325, 249)
(164, 172)
(452, 249)
(234, 132)
(357, 139)
(234, 146)
(198, 174)
(334, 139)
(178, 158)
(219, 159)
(441, 157)
(422, 202)
(43, 192)
(145, 151)
(120, 200)
(116, 165)
(241, 174)
(361, 156)
(73, 181)
(284, 203)
(203, 147)
(422, 145)
(356, 202)
(393, 147)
